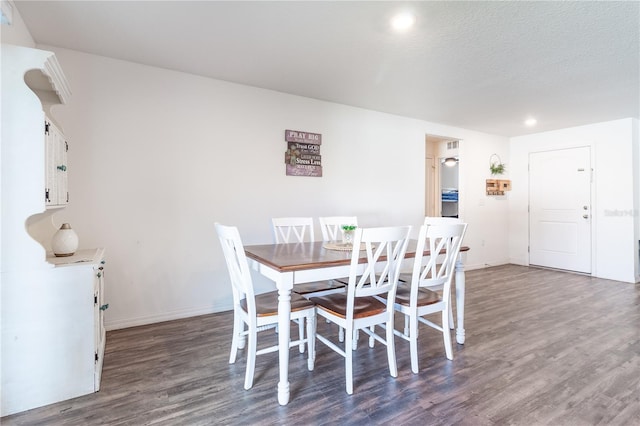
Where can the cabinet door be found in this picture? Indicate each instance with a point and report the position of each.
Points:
(56, 147)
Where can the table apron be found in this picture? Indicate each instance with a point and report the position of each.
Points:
(265, 270)
(319, 274)
(304, 275)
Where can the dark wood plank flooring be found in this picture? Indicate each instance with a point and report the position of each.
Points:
(543, 348)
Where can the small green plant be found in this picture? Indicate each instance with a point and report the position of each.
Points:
(497, 168)
(349, 227)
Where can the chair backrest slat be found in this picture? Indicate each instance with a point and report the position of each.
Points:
(443, 241)
(331, 226)
(385, 249)
(237, 265)
(292, 229)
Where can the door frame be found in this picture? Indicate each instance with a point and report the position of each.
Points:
(436, 153)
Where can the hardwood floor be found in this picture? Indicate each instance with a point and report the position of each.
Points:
(543, 348)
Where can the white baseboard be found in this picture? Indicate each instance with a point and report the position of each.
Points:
(519, 261)
(186, 313)
(471, 267)
(165, 316)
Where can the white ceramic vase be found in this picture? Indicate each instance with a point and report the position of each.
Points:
(65, 241)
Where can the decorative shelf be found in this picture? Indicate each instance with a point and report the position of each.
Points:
(498, 186)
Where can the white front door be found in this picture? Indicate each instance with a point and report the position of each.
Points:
(560, 209)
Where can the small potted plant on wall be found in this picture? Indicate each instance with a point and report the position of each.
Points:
(496, 166)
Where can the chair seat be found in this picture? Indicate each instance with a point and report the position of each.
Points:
(267, 303)
(406, 278)
(336, 303)
(425, 296)
(266, 306)
(318, 286)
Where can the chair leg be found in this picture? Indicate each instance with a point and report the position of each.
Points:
(311, 341)
(355, 336)
(235, 340)
(251, 357)
(372, 341)
(242, 339)
(340, 334)
(413, 342)
(446, 334)
(452, 324)
(406, 325)
(301, 334)
(348, 359)
(391, 350)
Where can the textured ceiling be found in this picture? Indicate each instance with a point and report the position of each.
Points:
(479, 65)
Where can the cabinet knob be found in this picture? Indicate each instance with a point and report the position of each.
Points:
(63, 168)
(102, 262)
(104, 307)
(99, 274)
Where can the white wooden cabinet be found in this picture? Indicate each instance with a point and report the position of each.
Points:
(56, 192)
(53, 335)
(88, 269)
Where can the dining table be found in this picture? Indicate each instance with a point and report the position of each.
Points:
(298, 263)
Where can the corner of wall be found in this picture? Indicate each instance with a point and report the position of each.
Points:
(17, 32)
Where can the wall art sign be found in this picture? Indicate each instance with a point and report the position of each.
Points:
(302, 157)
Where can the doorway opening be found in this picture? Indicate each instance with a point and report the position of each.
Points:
(442, 162)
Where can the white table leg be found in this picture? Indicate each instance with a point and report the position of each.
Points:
(284, 317)
(460, 288)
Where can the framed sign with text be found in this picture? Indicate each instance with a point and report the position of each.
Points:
(302, 157)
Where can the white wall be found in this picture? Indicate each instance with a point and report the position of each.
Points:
(488, 213)
(17, 33)
(156, 157)
(615, 188)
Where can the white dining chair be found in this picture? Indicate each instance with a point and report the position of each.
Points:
(292, 229)
(331, 226)
(258, 312)
(405, 278)
(419, 299)
(358, 309)
(438, 220)
(297, 230)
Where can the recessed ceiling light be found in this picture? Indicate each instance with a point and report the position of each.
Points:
(402, 21)
(530, 122)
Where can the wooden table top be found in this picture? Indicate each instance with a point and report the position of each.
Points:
(310, 255)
